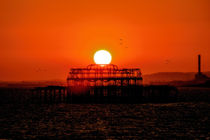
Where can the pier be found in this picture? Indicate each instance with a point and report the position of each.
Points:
(104, 84)
(108, 94)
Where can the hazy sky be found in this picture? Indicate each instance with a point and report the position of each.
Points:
(42, 40)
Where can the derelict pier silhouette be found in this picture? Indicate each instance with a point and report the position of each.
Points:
(104, 75)
(105, 84)
(102, 83)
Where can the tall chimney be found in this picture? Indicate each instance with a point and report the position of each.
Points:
(199, 64)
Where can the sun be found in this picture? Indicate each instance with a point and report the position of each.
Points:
(102, 57)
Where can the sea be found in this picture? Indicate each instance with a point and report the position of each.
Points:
(180, 120)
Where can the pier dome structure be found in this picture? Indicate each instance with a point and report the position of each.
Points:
(95, 75)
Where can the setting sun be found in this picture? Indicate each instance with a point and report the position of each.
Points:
(102, 57)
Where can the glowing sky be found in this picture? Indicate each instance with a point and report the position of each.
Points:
(41, 40)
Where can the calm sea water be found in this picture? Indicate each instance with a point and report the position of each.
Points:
(106, 121)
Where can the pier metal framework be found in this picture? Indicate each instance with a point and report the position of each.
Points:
(103, 84)
(103, 75)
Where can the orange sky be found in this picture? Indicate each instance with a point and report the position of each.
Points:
(41, 40)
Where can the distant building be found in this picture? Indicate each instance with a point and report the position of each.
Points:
(200, 76)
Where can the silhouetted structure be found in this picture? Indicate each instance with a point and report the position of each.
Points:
(50, 94)
(108, 94)
(200, 75)
(94, 84)
(104, 84)
(108, 83)
(103, 75)
(86, 80)
(199, 64)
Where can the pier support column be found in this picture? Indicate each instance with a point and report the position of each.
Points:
(59, 92)
(45, 95)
